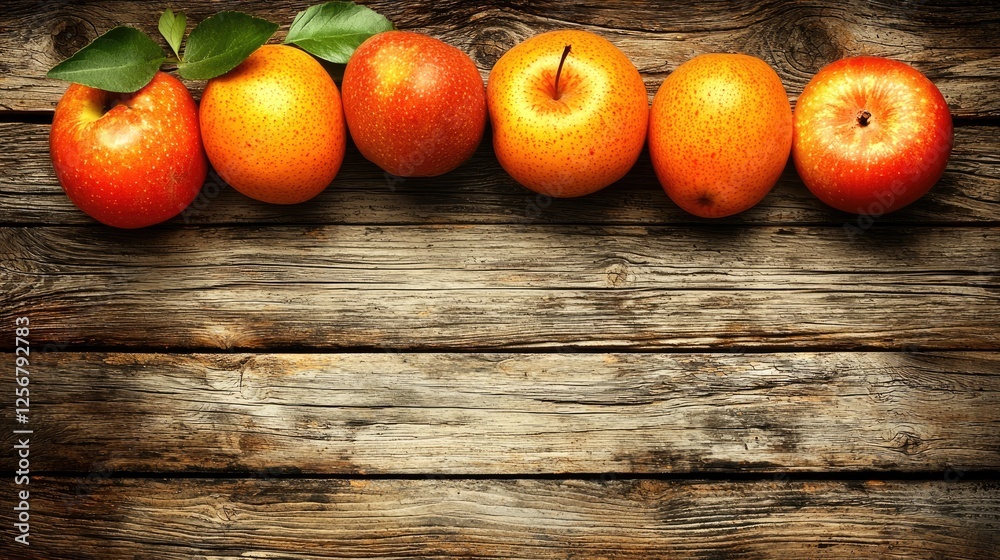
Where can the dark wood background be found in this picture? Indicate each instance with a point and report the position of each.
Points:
(454, 367)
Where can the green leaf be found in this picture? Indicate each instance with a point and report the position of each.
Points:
(332, 31)
(221, 42)
(122, 60)
(172, 28)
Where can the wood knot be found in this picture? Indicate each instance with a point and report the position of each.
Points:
(907, 442)
(70, 35)
(815, 43)
(800, 42)
(618, 275)
(491, 42)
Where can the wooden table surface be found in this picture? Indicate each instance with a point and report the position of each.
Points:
(455, 367)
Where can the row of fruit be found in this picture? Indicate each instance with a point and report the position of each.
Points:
(569, 111)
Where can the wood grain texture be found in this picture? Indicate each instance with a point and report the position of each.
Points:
(481, 192)
(537, 519)
(657, 347)
(505, 287)
(511, 414)
(954, 43)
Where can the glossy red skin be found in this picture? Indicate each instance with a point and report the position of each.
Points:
(138, 164)
(883, 166)
(415, 106)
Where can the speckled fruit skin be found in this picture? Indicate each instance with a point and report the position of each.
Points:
(585, 140)
(720, 133)
(274, 126)
(129, 160)
(415, 106)
(891, 161)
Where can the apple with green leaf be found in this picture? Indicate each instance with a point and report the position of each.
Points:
(274, 126)
(129, 160)
(125, 140)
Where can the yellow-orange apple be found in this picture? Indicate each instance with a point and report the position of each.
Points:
(274, 127)
(569, 113)
(129, 160)
(720, 132)
(415, 106)
(871, 135)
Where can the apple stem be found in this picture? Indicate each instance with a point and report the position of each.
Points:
(565, 53)
(115, 100)
(863, 117)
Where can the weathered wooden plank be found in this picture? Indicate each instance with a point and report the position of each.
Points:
(271, 518)
(481, 192)
(954, 43)
(510, 414)
(505, 287)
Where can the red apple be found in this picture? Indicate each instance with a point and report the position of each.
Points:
(415, 106)
(129, 160)
(871, 135)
